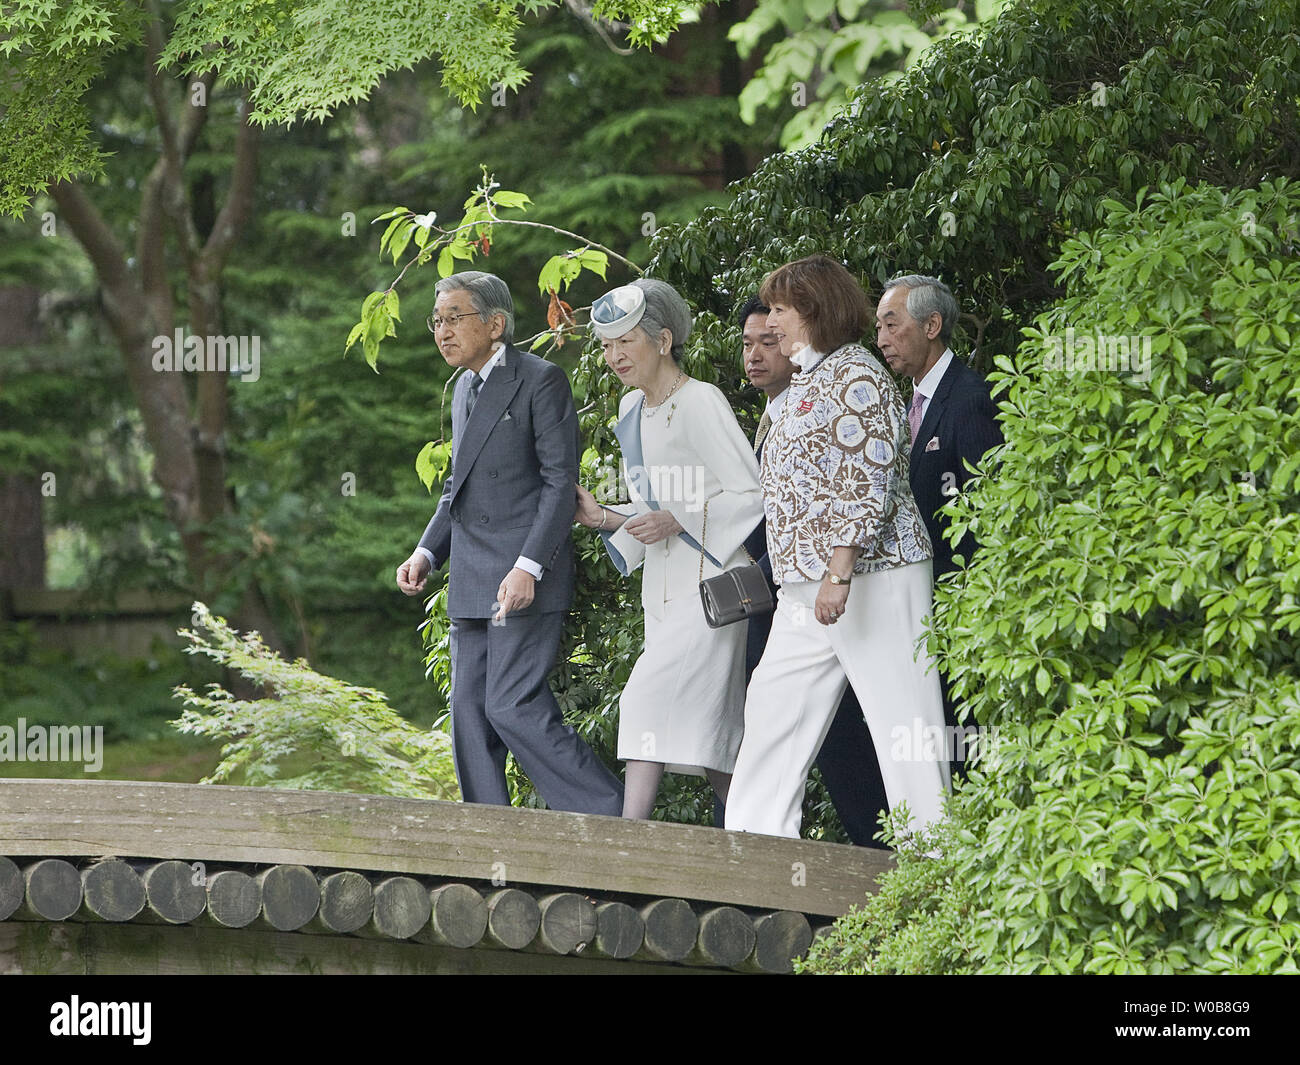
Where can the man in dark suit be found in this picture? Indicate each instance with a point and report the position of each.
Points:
(503, 523)
(847, 760)
(952, 415)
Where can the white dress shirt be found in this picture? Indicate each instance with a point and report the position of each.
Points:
(929, 384)
(774, 405)
(525, 564)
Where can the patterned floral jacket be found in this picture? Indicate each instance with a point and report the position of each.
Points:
(834, 471)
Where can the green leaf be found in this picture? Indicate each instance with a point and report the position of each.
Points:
(510, 199)
(432, 462)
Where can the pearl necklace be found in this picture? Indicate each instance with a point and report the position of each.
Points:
(652, 412)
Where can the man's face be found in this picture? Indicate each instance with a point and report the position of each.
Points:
(907, 345)
(767, 369)
(464, 338)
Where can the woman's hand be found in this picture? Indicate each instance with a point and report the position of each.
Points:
(831, 600)
(652, 527)
(589, 512)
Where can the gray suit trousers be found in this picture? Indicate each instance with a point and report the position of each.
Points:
(500, 701)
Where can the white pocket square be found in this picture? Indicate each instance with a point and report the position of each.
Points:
(507, 417)
(932, 444)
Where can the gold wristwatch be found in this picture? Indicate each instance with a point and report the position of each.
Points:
(836, 579)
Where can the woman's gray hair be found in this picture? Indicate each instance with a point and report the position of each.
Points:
(664, 309)
(488, 294)
(927, 296)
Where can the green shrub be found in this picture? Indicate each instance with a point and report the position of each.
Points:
(1130, 624)
(918, 923)
(335, 736)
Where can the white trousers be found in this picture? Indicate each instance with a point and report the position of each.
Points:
(796, 688)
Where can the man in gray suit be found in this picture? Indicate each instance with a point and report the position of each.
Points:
(504, 523)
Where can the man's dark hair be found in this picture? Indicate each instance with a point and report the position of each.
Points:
(753, 305)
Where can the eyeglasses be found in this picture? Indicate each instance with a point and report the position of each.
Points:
(436, 321)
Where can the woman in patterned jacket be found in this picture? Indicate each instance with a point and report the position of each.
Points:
(851, 555)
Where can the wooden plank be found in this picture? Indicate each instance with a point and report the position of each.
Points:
(211, 823)
(74, 604)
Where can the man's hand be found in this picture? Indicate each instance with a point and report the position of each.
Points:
(831, 600)
(515, 593)
(653, 526)
(412, 574)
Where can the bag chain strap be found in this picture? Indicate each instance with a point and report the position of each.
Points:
(704, 532)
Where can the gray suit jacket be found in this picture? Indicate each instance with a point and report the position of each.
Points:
(512, 489)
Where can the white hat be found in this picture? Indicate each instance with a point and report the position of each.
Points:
(617, 312)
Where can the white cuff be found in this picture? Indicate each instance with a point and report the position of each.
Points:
(529, 566)
(429, 555)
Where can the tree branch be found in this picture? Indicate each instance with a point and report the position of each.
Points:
(168, 174)
(584, 13)
(237, 209)
(102, 246)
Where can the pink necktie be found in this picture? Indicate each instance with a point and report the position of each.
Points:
(914, 413)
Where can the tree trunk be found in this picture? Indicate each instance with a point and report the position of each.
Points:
(22, 521)
(184, 414)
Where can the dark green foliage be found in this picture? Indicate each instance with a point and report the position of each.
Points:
(1019, 132)
(1141, 670)
(131, 699)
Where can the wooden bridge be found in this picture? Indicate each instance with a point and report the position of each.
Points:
(128, 877)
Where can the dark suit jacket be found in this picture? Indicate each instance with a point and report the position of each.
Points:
(960, 421)
(512, 487)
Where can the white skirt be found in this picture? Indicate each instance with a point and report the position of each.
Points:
(684, 704)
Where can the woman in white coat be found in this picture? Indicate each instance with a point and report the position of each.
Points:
(693, 482)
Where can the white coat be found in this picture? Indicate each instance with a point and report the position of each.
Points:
(684, 702)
